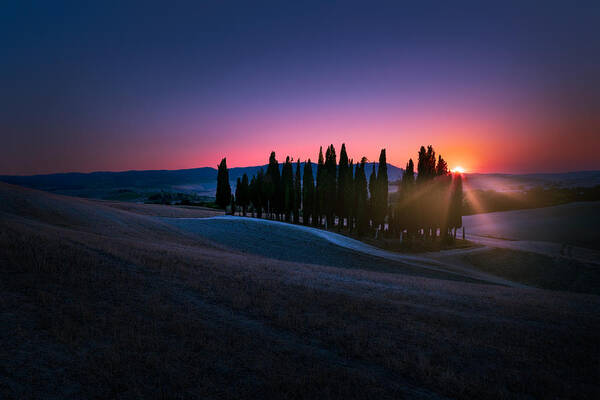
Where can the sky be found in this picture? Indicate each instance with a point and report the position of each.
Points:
(495, 87)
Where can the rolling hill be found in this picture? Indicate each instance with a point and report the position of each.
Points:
(102, 300)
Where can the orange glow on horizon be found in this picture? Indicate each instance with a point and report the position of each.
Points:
(458, 169)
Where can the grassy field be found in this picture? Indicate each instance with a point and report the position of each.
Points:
(574, 224)
(104, 302)
(535, 269)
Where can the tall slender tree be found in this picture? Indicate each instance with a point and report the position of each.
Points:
(456, 203)
(256, 192)
(272, 185)
(342, 189)
(287, 182)
(320, 189)
(360, 187)
(349, 195)
(408, 206)
(330, 185)
(381, 205)
(223, 196)
(244, 200)
(441, 167)
(308, 193)
(238, 191)
(373, 192)
(297, 193)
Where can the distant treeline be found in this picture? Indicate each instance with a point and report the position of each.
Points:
(480, 201)
(342, 197)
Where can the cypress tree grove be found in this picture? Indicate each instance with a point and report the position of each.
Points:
(342, 191)
(319, 192)
(223, 196)
(308, 193)
(297, 193)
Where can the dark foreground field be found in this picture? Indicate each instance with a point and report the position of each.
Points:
(101, 302)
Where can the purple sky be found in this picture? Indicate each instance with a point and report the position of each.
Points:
(495, 88)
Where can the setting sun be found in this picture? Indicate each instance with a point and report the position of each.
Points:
(458, 169)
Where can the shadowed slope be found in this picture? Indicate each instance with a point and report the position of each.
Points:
(98, 302)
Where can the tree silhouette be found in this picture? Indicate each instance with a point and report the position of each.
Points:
(244, 199)
(238, 189)
(287, 183)
(330, 185)
(349, 196)
(297, 193)
(456, 203)
(381, 188)
(223, 195)
(407, 215)
(429, 201)
(320, 189)
(360, 187)
(373, 192)
(271, 186)
(233, 206)
(308, 193)
(442, 167)
(256, 192)
(342, 187)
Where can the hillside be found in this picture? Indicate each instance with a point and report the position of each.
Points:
(103, 302)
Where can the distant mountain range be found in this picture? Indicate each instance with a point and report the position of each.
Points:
(120, 185)
(131, 185)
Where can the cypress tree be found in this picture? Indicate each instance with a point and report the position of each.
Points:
(308, 193)
(456, 203)
(245, 194)
(319, 192)
(297, 193)
(256, 192)
(349, 196)
(442, 167)
(342, 189)
(223, 196)
(330, 185)
(408, 206)
(372, 195)
(426, 199)
(252, 193)
(361, 195)
(381, 206)
(272, 185)
(287, 183)
(422, 166)
(238, 190)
